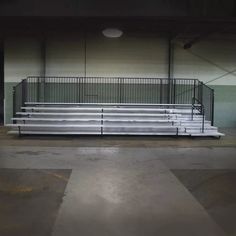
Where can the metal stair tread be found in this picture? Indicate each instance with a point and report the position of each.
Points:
(93, 133)
(208, 134)
(74, 126)
(167, 110)
(108, 104)
(106, 114)
(89, 120)
(96, 114)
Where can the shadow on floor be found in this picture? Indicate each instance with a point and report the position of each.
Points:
(215, 190)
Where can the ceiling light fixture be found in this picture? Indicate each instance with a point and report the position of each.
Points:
(112, 33)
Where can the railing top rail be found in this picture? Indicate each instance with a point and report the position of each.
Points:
(109, 77)
(208, 87)
(108, 104)
(19, 83)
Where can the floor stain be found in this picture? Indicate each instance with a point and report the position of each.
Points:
(31, 153)
(30, 199)
(16, 190)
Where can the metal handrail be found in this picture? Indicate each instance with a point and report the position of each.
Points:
(201, 109)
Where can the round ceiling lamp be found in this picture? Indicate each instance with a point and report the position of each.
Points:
(112, 33)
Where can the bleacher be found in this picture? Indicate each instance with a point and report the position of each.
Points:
(45, 118)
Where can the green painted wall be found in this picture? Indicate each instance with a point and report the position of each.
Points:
(225, 105)
(8, 90)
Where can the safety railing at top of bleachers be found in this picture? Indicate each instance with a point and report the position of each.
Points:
(120, 90)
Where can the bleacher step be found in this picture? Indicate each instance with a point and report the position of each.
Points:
(111, 119)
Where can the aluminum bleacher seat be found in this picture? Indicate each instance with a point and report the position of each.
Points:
(111, 119)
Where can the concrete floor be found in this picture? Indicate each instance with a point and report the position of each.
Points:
(30, 200)
(215, 190)
(134, 186)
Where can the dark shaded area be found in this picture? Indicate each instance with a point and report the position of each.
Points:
(118, 8)
(1, 84)
(215, 190)
(190, 30)
(29, 200)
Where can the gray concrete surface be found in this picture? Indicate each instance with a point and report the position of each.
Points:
(73, 158)
(127, 189)
(215, 190)
(137, 198)
(29, 200)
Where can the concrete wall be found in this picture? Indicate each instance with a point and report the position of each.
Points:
(125, 56)
(65, 55)
(133, 55)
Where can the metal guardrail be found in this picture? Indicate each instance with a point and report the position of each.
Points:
(120, 90)
(197, 105)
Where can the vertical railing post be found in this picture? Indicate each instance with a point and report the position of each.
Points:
(161, 88)
(44, 88)
(121, 88)
(193, 101)
(201, 93)
(77, 91)
(14, 103)
(83, 82)
(41, 89)
(212, 106)
(24, 92)
(38, 89)
(169, 92)
(80, 90)
(200, 88)
(203, 118)
(174, 90)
